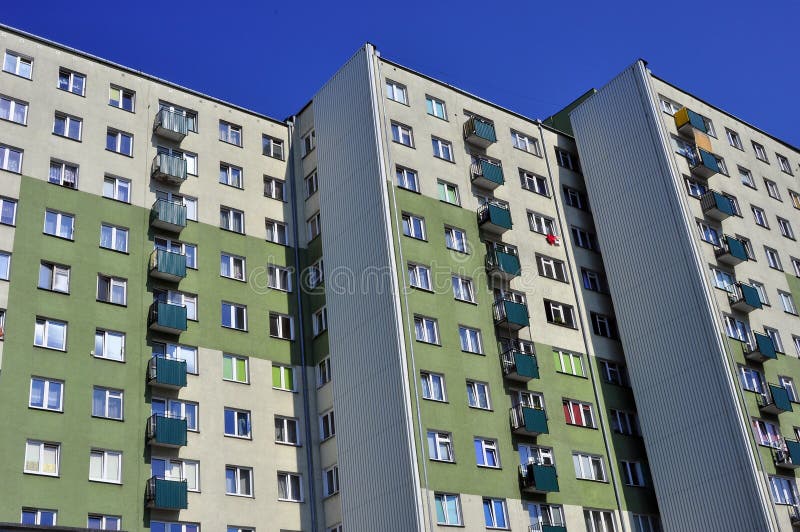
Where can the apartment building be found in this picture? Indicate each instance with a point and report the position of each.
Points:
(703, 265)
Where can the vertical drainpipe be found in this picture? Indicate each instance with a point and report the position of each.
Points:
(568, 256)
(312, 498)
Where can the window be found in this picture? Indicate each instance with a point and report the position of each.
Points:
(289, 487)
(121, 98)
(419, 276)
(314, 226)
(105, 466)
(775, 336)
(286, 431)
(575, 198)
(613, 373)
(783, 162)
(785, 228)
(442, 149)
(632, 474)
(669, 106)
(112, 289)
(540, 223)
(440, 446)
(426, 330)
(10, 159)
(324, 372)
(177, 352)
(455, 239)
(237, 423)
(695, 188)
(176, 409)
(478, 395)
(747, 177)
(276, 232)
(71, 81)
(68, 126)
(470, 340)
(788, 384)
(13, 110)
(272, 147)
(396, 92)
(162, 526)
(748, 247)
(599, 521)
(235, 368)
(234, 316)
(42, 458)
(773, 259)
(708, 233)
(525, 143)
(231, 219)
(309, 141)
(559, 313)
(3, 324)
(274, 188)
(407, 179)
(104, 522)
(119, 142)
(751, 380)
(723, 280)
(795, 199)
(117, 188)
(759, 216)
(413, 226)
(230, 133)
(603, 325)
(584, 239)
(796, 266)
(578, 413)
(51, 276)
(47, 394)
(311, 184)
(787, 302)
(107, 403)
(232, 266)
(772, 189)
(8, 211)
(768, 433)
(231, 175)
(486, 453)
(112, 237)
(281, 326)
(35, 516)
(172, 469)
(448, 192)
(327, 425)
(551, 268)
(784, 490)
(279, 278)
(432, 386)
(330, 481)
(448, 509)
(533, 182)
(402, 134)
(189, 116)
(316, 274)
(319, 321)
(51, 334)
(570, 363)
(567, 160)
(593, 280)
(17, 64)
(435, 107)
(734, 139)
(239, 481)
(761, 153)
(589, 467)
(495, 513)
(283, 377)
(462, 289)
(624, 423)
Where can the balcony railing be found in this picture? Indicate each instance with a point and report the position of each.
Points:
(775, 400)
(547, 527)
(703, 163)
(528, 421)
(794, 516)
(167, 265)
(494, 218)
(687, 120)
(479, 132)
(763, 350)
(716, 205)
(167, 318)
(519, 366)
(731, 251)
(166, 372)
(745, 298)
(538, 478)
(487, 174)
(510, 314)
(788, 455)
(166, 431)
(168, 215)
(163, 494)
(502, 264)
(171, 125)
(168, 169)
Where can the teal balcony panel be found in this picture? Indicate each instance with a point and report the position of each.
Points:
(788, 457)
(168, 215)
(763, 350)
(479, 132)
(503, 264)
(775, 401)
(163, 494)
(745, 298)
(510, 314)
(487, 174)
(171, 125)
(538, 478)
(716, 205)
(519, 366)
(166, 372)
(731, 251)
(167, 265)
(528, 421)
(169, 169)
(494, 218)
(167, 318)
(166, 431)
(704, 163)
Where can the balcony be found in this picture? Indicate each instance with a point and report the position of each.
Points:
(510, 314)
(167, 318)
(479, 132)
(789, 456)
(168, 215)
(546, 527)
(166, 431)
(687, 122)
(167, 265)
(763, 350)
(538, 478)
(731, 251)
(503, 264)
(528, 421)
(744, 298)
(168, 169)
(171, 125)
(703, 163)
(494, 218)
(487, 174)
(166, 373)
(774, 401)
(716, 206)
(519, 366)
(794, 516)
(163, 494)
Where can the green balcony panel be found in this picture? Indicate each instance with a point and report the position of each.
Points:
(545, 477)
(793, 451)
(167, 318)
(731, 251)
(780, 397)
(171, 125)
(494, 218)
(519, 366)
(168, 215)
(166, 431)
(166, 372)
(788, 456)
(165, 494)
(479, 132)
(168, 169)
(510, 314)
(503, 264)
(764, 349)
(745, 298)
(487, 174)
(553, 528)
(716, 205)
(529, 421)
(167, 265)
(704, 164)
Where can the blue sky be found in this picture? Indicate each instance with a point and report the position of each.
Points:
(531, 56)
